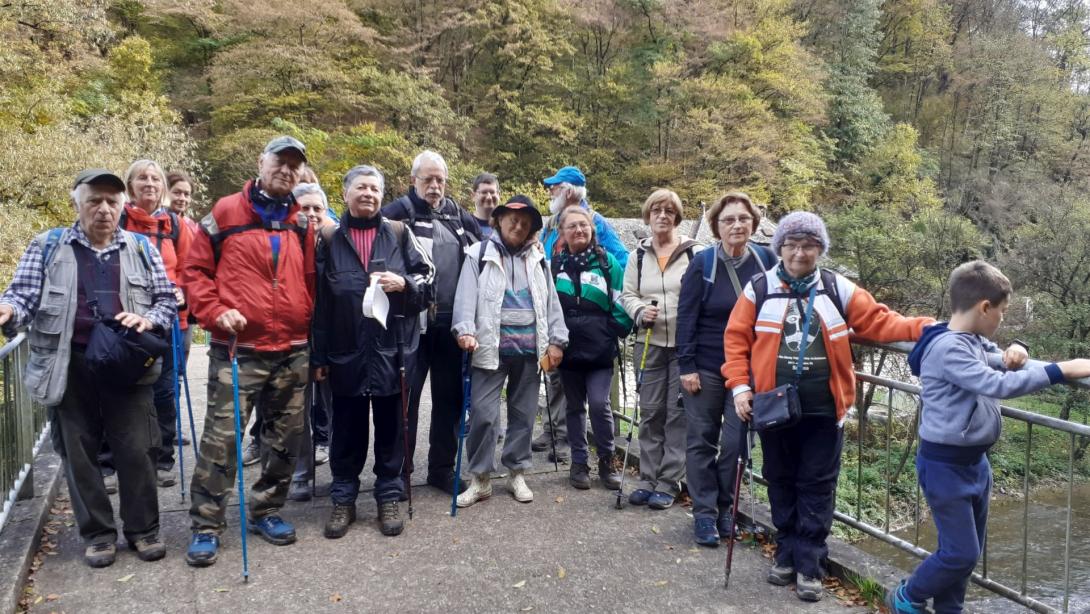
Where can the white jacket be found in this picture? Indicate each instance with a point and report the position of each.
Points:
(479, 299)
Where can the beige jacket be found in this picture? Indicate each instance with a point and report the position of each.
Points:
(646, 283)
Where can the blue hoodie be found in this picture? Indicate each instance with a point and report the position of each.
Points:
(961, 376)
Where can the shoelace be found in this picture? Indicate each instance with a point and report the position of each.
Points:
(204, 538)
(101, 547)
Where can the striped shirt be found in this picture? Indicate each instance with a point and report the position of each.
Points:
(363, 239)
(25, 292)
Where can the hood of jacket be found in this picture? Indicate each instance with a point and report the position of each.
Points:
(930, 333)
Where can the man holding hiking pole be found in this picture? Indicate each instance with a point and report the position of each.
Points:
(250, 275)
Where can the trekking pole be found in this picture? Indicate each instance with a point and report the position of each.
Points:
(635, 411)
(183, 370)
(407, 462)
(743, 455)
(467, 390)
(549, 413)
(175, 353)
(231, 349)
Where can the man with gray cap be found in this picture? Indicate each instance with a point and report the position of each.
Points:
(94, 271)
(250, 277)
(444, 230)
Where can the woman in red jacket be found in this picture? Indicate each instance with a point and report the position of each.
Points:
(798, 309)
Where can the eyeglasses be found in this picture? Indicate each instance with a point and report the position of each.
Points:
(577, 226)
(744, 220)
(657, 212)
(801, 247)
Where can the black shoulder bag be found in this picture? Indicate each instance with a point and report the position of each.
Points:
(780, 407)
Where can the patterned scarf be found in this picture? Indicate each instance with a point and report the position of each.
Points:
(797, 285)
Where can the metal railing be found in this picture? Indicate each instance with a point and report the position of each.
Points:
(22, 424)
(851, 513)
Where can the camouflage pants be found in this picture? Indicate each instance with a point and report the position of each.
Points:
(274, 382)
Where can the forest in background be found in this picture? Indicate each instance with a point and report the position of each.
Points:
(927, 132)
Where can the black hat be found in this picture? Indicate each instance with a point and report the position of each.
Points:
(282, 143)
(99, 176)
(520, 202)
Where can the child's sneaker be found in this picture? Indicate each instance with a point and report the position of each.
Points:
(898, 603)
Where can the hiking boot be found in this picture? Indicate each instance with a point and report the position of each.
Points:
(321, 455)
(610, 476)
(445, 483)
(563, 455)
(724, 526)
(299, 490)
(110, 481)
(274, 530)
(101, 554)
(389, 517)
(252, 453)
(517, 485)
(780, 575)
(579, 476)
(165, 478)
(898, 603)
(202, 549)
(660, 501)
(542, 442)
(640, 496)
(339, 519)
(705, 533)
(480, 488)
(149, 548)
(807, 588)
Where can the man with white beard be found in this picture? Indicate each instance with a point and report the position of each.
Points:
(567, 188)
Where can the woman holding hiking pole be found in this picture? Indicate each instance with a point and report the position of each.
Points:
(709, 289)
(507, 314)
(360, 355)
(653, 273)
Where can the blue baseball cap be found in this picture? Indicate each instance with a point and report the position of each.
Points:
(568, 174)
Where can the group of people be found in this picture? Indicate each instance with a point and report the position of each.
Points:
(500, 296)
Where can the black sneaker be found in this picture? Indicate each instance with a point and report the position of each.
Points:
(339, 519)
(299, 490)
(389, 517)
(563, 455)
(579, 476)
(445, 483)
(610, 476)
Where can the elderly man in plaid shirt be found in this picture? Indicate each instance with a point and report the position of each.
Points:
(65, 278)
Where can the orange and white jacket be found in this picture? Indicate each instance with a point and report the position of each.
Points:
(751, 341)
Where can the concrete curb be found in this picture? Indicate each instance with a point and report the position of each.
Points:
(22, 534)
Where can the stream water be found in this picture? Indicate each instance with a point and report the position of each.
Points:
(1045, 559)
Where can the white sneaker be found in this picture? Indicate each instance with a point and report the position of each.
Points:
(480, 488)
(321, 455)
(517, 485)
(251, 454)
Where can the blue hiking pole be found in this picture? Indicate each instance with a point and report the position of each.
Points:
(238, 458)
(183, 370)
(467, 389)
(175, 353)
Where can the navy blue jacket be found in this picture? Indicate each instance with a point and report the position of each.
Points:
(700, 325)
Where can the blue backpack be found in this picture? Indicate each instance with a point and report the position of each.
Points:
(763, 255)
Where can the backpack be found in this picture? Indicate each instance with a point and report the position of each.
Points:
(53, 241)
(217, 239)
(711, 264)
(602, 257)
(828, 280)
(640, 251)
(175, 230)
(480, 259)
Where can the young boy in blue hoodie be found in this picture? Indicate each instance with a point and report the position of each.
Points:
(961, 376)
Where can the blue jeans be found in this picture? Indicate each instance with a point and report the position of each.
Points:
(958, 497)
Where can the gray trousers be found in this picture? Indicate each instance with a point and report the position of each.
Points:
(88, 414)
(584, 389)
(662, 422)
(557, 409)
(484, 415)
(711, 447)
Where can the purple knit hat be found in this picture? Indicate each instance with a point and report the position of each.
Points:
(799, 224)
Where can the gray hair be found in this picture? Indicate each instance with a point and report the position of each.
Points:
(310, 188)
(428, 156)
(364, 170)
(574, 190)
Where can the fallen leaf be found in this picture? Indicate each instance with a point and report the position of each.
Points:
(519, 584)
(527, 608)
(126, 578)
(38, 600)
(560, 573)
(694, 549)
(661, 583)
(335, 598)
(221, 589)
(52, 597)
(558, 500)
(678, 561)
(655, 530)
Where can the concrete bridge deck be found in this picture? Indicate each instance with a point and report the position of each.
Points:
(569, 550)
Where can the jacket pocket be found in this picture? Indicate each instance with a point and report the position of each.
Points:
(39, 368)
(140, 293)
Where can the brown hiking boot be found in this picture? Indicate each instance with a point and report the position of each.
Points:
(390, 517)
(149, 548)
(339, 519)
(101, 554)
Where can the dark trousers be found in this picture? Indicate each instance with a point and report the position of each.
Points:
(958, 497)
(711, 447)
(348, 453)
(163, 400)
(583, 390)
(802, 464)
(440, 354)
(88, 415)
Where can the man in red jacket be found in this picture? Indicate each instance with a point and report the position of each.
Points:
(250, 279)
